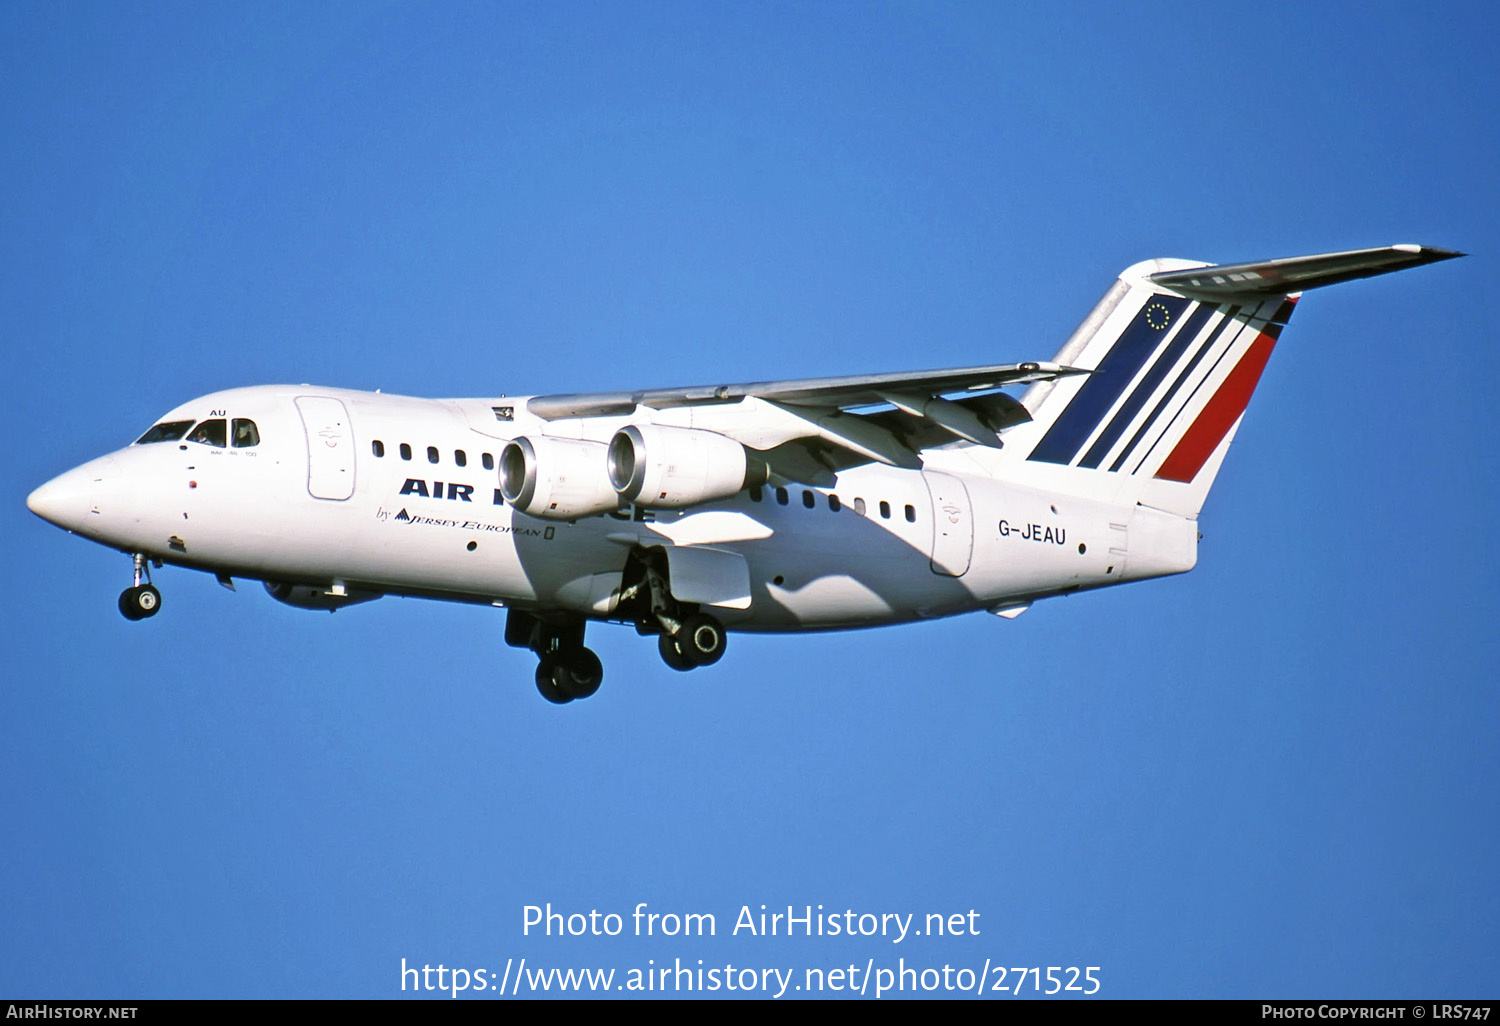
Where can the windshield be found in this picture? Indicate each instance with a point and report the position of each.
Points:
(210, 432)
(245, 433)
(167, 431)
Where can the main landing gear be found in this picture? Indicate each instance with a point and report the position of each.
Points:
(565, 669)
(686, 638)
(698, 641)
(140, 600)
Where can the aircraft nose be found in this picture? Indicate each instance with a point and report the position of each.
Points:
(56, 500)
(69, 498)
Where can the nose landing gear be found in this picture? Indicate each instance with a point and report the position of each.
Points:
(139, 601)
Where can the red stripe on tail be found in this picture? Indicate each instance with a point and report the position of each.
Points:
(1228, 403)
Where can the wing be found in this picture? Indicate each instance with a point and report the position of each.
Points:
(824, 393)
(807, 430)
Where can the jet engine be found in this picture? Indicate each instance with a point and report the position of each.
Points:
(556, 478)
(675, 467)
(316, 596)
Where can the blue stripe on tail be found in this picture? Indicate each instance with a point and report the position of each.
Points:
(1120, 365)
(1132, 405)
(1230, 316)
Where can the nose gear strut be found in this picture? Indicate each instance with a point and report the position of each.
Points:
(139, 601)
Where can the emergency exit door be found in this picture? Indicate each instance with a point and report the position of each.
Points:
(952, 524)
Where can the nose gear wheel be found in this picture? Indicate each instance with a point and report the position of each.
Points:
(140, 601)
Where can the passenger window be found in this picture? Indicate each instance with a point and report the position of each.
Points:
(756, 494)
(807, 499)
(859, 506)
(210, 432)
(781, 496)
(911, 513)
(489, 462)
(432, 454)
(834, 504)
(167, 431)
(460, 457)
(245, 434)
(377, 447)
(885, 510)
(405, 451)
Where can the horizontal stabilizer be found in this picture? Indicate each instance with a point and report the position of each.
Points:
(1294, 274)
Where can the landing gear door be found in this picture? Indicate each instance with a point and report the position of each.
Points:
(711, 577)
(330, 447)
(952, 524)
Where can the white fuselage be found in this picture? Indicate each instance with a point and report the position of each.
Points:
(401, 496)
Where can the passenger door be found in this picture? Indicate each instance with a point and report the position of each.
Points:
(330, 447)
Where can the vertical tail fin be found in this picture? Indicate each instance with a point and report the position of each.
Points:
(1175, 350)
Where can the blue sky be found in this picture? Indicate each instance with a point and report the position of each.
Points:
(1277, 775)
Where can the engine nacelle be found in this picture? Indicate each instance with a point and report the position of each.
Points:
(316, 596)
(556, 478)
(674, 467)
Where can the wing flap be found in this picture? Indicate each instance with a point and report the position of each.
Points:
(955, 419)
(856, 434)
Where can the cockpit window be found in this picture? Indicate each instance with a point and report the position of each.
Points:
(166, 431)
(245, 433)
(210, 432)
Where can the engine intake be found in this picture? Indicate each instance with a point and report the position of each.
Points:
(674, 467)
(556, 478)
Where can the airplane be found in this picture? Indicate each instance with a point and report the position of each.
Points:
(773, 506)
